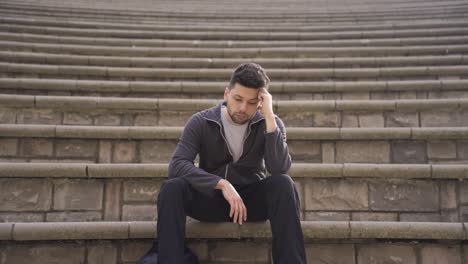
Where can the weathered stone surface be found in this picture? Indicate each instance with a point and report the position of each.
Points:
(409, 152)
(450, 216)
(464, 193)
(156, 150)
(174, 118)
(105, 151)
(39, 116)
(368, 216)
(401, 119)
(107, 120)
(124, 152)
(25, 195)
(112, 200)
(298, 119)
(464, 213)
(443, 119)
(52, 253)
(436, 254)
(328, 152)
(336, 195)
(7, 116)
(146, 120)
(399, 195)
(349, 120)
(21, 217)
(141, 190)
(76, 148)
(355, 96)
(305, 151)
(8, 146)
(462, 150)
(441, 150)
(326, 119)
(386, 254)
(240, 252)
(36, 147)
(465, 251)
(362, 151)
(139, 213)
(448, 195)
(420, 217)
(132, 251)
(77, 119)
(371, 120)
(102, 253)
(73, 216)
(330, 253)
(78, 195)
(326, 216)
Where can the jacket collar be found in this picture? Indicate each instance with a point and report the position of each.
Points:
(214, 114)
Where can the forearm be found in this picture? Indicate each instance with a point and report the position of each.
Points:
(270, 123)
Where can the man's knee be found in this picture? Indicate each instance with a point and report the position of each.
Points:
(282, 181)
(174, 187)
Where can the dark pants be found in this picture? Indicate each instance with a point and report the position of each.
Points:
(274, 198)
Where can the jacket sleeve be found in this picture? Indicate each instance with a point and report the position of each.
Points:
(277, 158)
(182, 162)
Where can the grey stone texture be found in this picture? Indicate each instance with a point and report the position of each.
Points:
(409, 152)
(330, 253)
(19, 195)
(78, 195)
(362, 151)
(435, 254)
(386, 254)
(53, 253)
(399, 195)
(336, 195)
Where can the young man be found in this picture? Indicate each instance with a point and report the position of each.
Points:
(237, 142)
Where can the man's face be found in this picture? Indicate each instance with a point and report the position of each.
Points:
(242, 103)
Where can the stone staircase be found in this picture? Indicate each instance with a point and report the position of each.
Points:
(94, 96)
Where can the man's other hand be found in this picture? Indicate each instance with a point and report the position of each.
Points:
(238, 210)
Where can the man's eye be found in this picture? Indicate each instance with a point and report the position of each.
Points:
(238, 100)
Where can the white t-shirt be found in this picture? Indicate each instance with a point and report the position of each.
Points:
(234, 134)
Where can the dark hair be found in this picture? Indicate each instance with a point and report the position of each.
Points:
(250, 75)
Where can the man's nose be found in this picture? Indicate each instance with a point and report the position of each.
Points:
(243, 107)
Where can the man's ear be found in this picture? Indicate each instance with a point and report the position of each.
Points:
(226, 93)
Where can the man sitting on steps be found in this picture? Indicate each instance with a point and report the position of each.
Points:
(237, 142)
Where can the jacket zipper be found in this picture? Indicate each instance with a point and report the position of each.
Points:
(227, 145)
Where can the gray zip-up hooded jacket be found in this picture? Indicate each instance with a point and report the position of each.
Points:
(204, 135)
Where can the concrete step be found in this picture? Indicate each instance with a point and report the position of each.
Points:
(231, 63)
(136, 144)
(233, 16)
(212, 10)
(11, 70)
(258, 52)
(396, 26)
(126, 242)
(330, 90)
(76, 110)
(234, 35)
(338, 41)
(75, 192)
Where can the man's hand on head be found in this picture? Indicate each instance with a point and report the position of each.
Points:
(266, 107)
(266, 102)
(238, 210)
